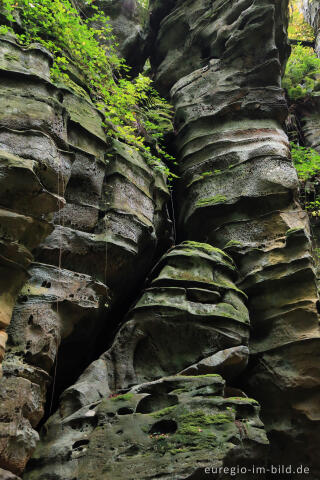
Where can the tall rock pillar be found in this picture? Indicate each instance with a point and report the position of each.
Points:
(222, 61)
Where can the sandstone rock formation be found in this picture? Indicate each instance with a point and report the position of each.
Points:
(238, 190)
(133, 330)
(155, 430)
(113, 219)
(190, 310)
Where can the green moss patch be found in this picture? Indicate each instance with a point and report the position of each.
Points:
(124, 397)
(211, 201)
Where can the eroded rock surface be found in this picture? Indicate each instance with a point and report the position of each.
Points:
(155, 430)
(94, 215)
(190, 310)
(238, 190)
(111, 221)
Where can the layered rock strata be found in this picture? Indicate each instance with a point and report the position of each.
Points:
(238, 190)
(111, 222)
(190, 312)
(115, 219)
(131, 414)
(35, 166)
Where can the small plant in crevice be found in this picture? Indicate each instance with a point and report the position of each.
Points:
(313, 207)
(133, 111)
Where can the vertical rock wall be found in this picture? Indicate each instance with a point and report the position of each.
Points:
(111, 221)
(238, 190)
(95, 217)
(126, 417)
(33, 146)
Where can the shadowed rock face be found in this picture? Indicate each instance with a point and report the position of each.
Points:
(190, 310)
(238, 191)
(308, 115)
(155, 430)
(110, 211)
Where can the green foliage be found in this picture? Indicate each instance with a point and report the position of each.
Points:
(293, 231)
(306, 161)
(215, 200)
(133, 110)
(198, 419)
(193, 433)
(298, 28)
(313, 207)
(163, 412)
(144, 3)
(243, 399)
(302, 73)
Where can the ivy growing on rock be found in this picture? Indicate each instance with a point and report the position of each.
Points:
(133, 111)
(303, 67)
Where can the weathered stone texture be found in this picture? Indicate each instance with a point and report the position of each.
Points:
(155, 430)
(111, 220)
(238, 191)
(94, 214)
(191, 310)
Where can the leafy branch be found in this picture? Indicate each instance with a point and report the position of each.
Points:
(75, 42)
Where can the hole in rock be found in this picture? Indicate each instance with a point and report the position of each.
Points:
(30, 320)
(131, 451)
(153, 403)
(125, 411)
(163, 427)
(82, 425)
(206, 52)
(80, 443)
